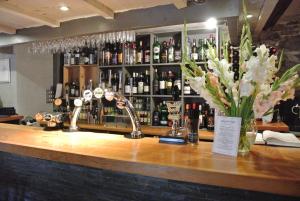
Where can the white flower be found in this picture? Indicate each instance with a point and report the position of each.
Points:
(246, 88)
(262, 52)
(255, 71)
(265, 89)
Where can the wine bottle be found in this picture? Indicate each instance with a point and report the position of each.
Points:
(77, 57)
(155, 83)
(211, 119)
(177, 52)
(201, 50)
(72, 61)
(162, 84)
(156, 51)
(120, 54)
(147, 53)
(127, 53)
(127, 85)
(141, 84)
(107, 55)
(139, 54)
(114, 54)
(194, 54)
(134, 84)
(132, 53)
(155, 119)
(186, 88)
(164, 53)
(147, 83)
(164, 114)
(177, 82)
(171, 51)
(169, 83)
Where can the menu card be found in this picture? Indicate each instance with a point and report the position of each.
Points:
(227, 135)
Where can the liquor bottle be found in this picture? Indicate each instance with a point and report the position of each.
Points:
(147, 53)
(67, 59)
(163, 114)
(134, 84)
(95, 54)
(186, 88)
(201, 50)
(114, 54)
(177, 82)
(169, 83)
(156, 51)
(132, 53)
(141, 84)
(211, 119)
(155, 83)
(171, 51)
(164, 53)
(77, 57)
(147, 83)
(186, 115)
(139, 54)
(127, 85)
(120, 54)
(201, 119)
(107, 55)
(72, 60)
(194, 53)
(156, 115)
(127, 53)
(177, 52)
(162, 84)
(86, 54)
(115, 82)
(72, 89)
(193, 136)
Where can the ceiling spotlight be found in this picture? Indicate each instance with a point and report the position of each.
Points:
(211, 23)
(64, 8)
(249, 16)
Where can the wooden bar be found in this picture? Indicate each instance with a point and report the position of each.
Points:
(11, 118)
(266, 169)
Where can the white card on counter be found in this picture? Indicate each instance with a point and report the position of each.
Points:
(227, 135)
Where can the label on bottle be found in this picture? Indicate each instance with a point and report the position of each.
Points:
(127, 89)
(146, 88)
(72, 92)
(194, 56)
(156, 50)
(72, 60)
(177, 55)
(187, 90)
(162, 84)
(169, 84)
(139, 57)
(171, 55)
(140, 87)
(147, 56)
(134, 90)
(120, 58)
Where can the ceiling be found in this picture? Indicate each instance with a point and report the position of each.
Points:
(19, 14)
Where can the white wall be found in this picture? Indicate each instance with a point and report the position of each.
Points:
(34, 76)
(8, 91)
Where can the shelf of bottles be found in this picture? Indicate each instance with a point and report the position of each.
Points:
(145, 71)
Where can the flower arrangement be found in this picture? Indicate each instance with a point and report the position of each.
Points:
(258, 88)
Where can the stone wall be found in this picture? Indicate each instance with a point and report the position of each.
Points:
(286, 35)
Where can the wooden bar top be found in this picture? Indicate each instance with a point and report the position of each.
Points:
(11, 118)
(266, 169)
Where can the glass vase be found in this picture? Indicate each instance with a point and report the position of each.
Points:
(247, 136)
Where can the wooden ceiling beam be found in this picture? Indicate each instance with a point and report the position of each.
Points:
(101, 8)
(28, 14)
(180, 3)
(7, 29)
(264, 15)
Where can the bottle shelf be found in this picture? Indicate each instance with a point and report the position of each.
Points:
(111, 66)
(137, 65)
(138, 95)
(162, 96)
(166, 64)
(83, 65)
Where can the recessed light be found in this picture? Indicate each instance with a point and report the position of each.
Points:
(211, 23)
(64, 8)
(249, 16)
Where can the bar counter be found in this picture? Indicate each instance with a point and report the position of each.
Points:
(274, 170)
